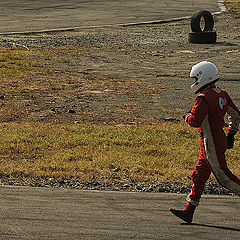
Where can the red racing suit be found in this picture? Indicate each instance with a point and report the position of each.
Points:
(208, 115)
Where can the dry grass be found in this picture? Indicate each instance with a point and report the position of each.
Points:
(162, 153)
(96, 151)
(233, 5)
(32, 81)
(42, 85)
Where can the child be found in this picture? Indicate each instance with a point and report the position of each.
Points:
(207, 114)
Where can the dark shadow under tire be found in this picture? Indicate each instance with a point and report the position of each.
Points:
(202, 37)
(208, 19)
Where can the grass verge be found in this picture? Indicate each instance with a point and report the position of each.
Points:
(99, 153)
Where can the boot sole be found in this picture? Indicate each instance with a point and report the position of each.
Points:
(173, 211)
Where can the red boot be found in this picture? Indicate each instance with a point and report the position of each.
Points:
(185, 214)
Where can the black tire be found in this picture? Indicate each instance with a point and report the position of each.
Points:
(202, 37)
(196, 18)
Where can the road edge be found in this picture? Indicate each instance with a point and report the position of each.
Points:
(72, 29)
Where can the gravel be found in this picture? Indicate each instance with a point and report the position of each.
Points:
(150, 64)
(170, 187)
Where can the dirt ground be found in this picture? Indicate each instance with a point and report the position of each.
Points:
(126, 75)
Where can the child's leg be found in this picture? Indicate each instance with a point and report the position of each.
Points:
(200, 175)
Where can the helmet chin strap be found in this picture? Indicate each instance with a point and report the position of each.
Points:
(206, 87)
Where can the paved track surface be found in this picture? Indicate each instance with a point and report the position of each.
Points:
(28, 15)
(42, 213)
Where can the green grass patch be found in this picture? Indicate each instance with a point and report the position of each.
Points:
(160, 153)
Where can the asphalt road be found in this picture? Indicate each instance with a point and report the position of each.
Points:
(42, 213)
(29, 15)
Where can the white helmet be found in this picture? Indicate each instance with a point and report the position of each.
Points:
(204, 73)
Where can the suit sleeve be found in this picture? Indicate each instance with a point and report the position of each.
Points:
(198, 113)
(233, 116)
